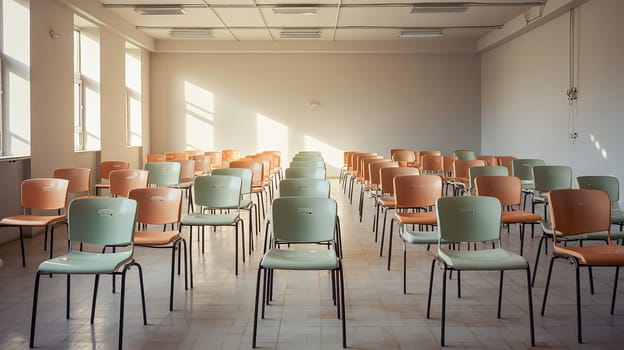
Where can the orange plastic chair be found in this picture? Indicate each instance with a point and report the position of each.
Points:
(202, 164)
(229, 155)
(160, 206)
(386, 200)
(187, 175)
(155, 158)
(257, 186)
(489, 160)
(403, 156)
(415, 197)
(123, 181)
(449, 172)
(79, 179)
(416, 162)
(46, 194)
(508, 190)
(172, 156)
(507, 162)
(366, 179)
(105, 169)
(432, 164)
(215, 159)
(461, 184)
(575, 212)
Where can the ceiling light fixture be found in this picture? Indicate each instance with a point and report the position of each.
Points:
(159, 10)
(190, 33)
(295, 10)
(300, 34)
(411, 34)
(438, 8)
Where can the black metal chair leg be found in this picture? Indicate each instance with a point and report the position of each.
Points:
(34, 311)
(94, 300)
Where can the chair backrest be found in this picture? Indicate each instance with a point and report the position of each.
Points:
(44, 193)
(364, 170)
(102, 220)
(163, 173)
(307, 164)
(228, 155)
(374, 170)
(417, 191)
(215, 159)
(304, 187)
(523, 168)
(307, 157)
(304, 219)
(403, 156)
(187, 170)
(245, 174)
(507, 161)
(171, 156)
(464, 154)
(476, 171)
(432, 163)
(489, 160)
(579, 211)
(387, 176)
(123, 181)
(462, 167)
(192, 152)
(217, 191)
(256, 167)
(552, 177)
(155, 158)
(609, 184)
(355, 160)
(109, 165)
(507, 189)
(157, 205)
(469, 219)
(316, 173)
(79, 179)
(202, 164)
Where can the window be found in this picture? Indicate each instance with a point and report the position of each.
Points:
(134, 122)
(15, 78)
(86, 86)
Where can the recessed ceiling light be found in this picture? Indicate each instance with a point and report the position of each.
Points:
(300, 34)
(410, 34)
(159, 10)
(438, 8)
(190, 33)
(295, 10)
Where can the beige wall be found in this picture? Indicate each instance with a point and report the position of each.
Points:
(525, 111)
(370, 102)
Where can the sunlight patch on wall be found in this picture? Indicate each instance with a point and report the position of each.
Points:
(16, 30)
(271, 135)
(333, 156)
(19, 102)
(599, 148)
(200, 132)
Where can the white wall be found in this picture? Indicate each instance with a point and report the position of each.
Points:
(370, 102)
(52, 94)
(525, 109)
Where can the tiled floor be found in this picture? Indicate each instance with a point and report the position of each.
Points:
(218, 312)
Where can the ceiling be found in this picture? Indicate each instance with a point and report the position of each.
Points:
(332, 20)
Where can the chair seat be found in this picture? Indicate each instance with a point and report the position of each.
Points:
(283, 259)
(76, 262)
(518, 216)
(497, 259)
(602, 236)
(422, 218)
(31, 220)
(149, 238)
(419, 237)
(200, 219)
(605, 255)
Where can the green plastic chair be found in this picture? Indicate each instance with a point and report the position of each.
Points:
(247, 204)
(101, 221)
(318, 163)
(474, 220)
(523, 169)
(304, 187)
(547, 178)
(464, 154)
(302, 220)
(611, 185)
(163, 173)
(316, 173)
(307, 157)
(212, 195)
